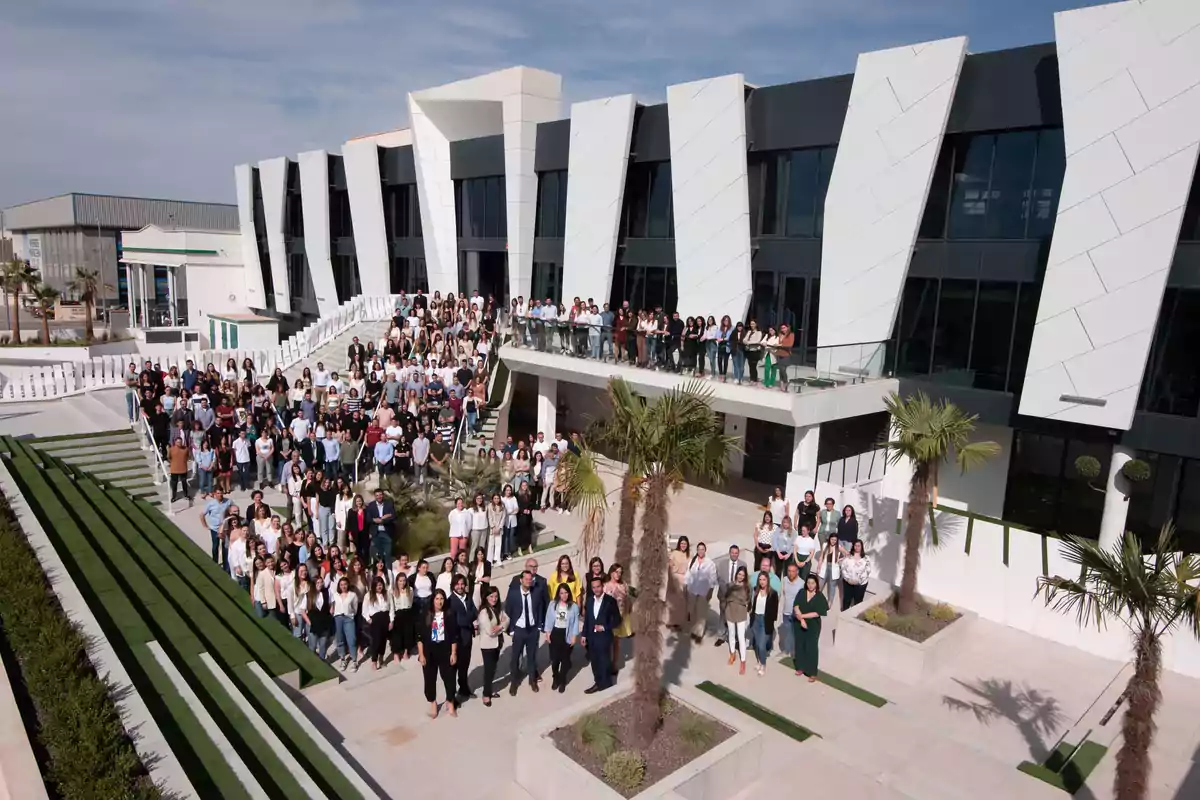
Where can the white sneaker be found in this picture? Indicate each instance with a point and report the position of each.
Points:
(345, 663)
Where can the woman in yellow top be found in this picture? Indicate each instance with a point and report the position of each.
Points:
(616, 588)
(564, 575)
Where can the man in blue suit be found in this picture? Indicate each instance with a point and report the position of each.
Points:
(467, 618)
(601, 617)
(525, 607)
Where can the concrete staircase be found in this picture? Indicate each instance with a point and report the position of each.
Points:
(333, 353)
(111, 457)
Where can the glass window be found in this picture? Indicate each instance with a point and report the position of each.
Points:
(994, 314)
(548, 207)
(1047, 183)
(915, 342)
(823, 175)
(297, 272)
(618, 296)
(803, 167)
(1081, 506)
(1027, 303)
(637, 201)
(656, 287)
(773, 199)
(1189, 231)
(933, 223)
(1152, 502)
(1034, 478)
(969, 192)
(496, 216)
(1009, 191)
(1187, 513)
(793, 303)
(660, 225)
(345, 277)
(762, 298)
(547, 280)
(814, 304)
(1172, 381)
(477, 200)
(952, 336)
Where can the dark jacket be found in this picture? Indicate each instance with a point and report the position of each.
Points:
(770, 613)
(609, 619)
(425, 628)
(471, 580)
(352, 526)
(373, 516)
(538, 602)
(464, 615)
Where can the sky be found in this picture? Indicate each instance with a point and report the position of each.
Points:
(161, 98)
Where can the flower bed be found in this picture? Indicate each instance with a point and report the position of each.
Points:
(922, 624)
(907, 648)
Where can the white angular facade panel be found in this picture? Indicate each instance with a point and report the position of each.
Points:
(364, 185)
(314, 196)
(596, 167)
(243, 176)
(899, 103)
(711, 196)
(510, 102)
(1130, 85)
(272, 177)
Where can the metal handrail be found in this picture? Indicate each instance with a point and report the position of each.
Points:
(160, 467)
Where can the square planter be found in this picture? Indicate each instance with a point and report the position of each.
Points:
(731, 766)
(898, 656)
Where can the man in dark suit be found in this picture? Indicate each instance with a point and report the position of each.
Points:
(601, 617)
(539, 583)
(356, 351)
(726, 570)
(381, 517)
(526, 610)
(466, 616)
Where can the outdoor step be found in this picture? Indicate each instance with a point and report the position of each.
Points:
(140, 462)
(98, 459)
(71, 438)
(146, 479)
(108, 450)
(100, 443)
(115, 477)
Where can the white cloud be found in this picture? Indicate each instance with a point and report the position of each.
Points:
(163, 97)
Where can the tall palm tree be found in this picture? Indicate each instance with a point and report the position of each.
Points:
(587, 496)
(617, 432)
(925, 433)
(86, 284)
(45, 296)
(16, 275)
(662, 441)
(1150, 596)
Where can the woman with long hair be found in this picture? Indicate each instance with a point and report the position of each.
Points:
(856, 572)
(564, 575)
(764, 610)
(847, 528)
(724, 331)
(298, 606)
(737, 615)
(829, 568)
(403, 633)
(377, 610)
(341, 509)
(479, 522)
(345, 609)
(445, 578)
(810, 606)
(497, 517)
(492, 624)
(355, 527)
(752, 346)
(619, 591)
(763, 537)
(359, 584)
(526, 503)
(437, 650)
(678, 563)
(480, 576)
(319, 610)
(561, 630)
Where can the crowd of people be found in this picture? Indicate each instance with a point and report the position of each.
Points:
(326, 567)
(655, 339)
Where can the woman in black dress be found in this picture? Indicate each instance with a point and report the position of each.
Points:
(377, 613)
(437, 650)
(403, 629)
(525, 506)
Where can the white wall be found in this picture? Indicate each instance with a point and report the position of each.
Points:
(314, 195)
(899, 103)
(272, 176)
(982, 489)
(214, 290)
(710, 193)
(252, 272)
(1130, 78)
(596, 168)
(360, 157)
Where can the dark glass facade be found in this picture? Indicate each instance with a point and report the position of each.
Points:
(547, 281)
(480, 208)
(1171, 384)
(551, 219)
(648, 208)
(645, 288)
(402, 211)
(1044, 490)
(260, 235)
(788, 191)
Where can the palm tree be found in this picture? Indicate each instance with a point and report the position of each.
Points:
(86, 284)
(45, 296)
(16, 275)
(673, 436)
(617, 432)
(586, 493)
(1150, 596)
(926, 433)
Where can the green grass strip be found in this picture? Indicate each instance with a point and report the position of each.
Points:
(555, 542)
(834, 682)
(970, 533)
(69, 436)
(753, 710)
(1061, 774)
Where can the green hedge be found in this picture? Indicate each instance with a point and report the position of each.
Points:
(752, 709)
(76, 725)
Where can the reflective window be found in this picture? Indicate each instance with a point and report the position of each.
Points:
(952, 333)
(293, 213)
(547, 280)
(341, 223)
(345, 277)
(1190, 230)
(1009, 191)
(648, 202)
(1047, 183)
(402, 210)
(789, 191)
(1027, 305)
(814, 303)
(481, 208)
(994, 313)
(1171, 384)
(918, 307)
(773, 181)
(763, 298)
(803, 167)
(409, 274)
(552, 204)
(969, 190)
(298, 274)
(260, 230)
(660, 224)
(645, 287)
(1034, 477)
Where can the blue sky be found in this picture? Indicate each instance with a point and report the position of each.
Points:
(161, 98)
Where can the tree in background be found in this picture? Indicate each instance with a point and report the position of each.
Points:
(1150, 596)
(16, 275)
(926, 433)
(86, 284)
(45, 296)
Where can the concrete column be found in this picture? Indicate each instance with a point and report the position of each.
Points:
(1116, 498)
(803, 476)
(131, 286)
(142, 292)
(171, 293)
(547, 406)
(735, 426)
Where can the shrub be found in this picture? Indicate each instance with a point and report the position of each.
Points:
(596, 735)
(697, 733)
(943, 612)
(907, 627)
(625, 770)
(1136, 470)
(1088, 467)
(876, 616)
(427, 533)
(87, 751)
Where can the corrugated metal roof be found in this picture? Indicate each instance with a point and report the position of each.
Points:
(107, 211)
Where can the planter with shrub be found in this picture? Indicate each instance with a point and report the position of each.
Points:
(704, 749)
(906, 646)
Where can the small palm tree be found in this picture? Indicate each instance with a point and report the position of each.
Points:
(45, 296)
(16, 275)
(86, 284)
(581, 476)
(1150, 596)
(926, 433)
(673, 436)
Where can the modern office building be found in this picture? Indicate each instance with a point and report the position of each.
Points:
(59, 235)
(1016, 230)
